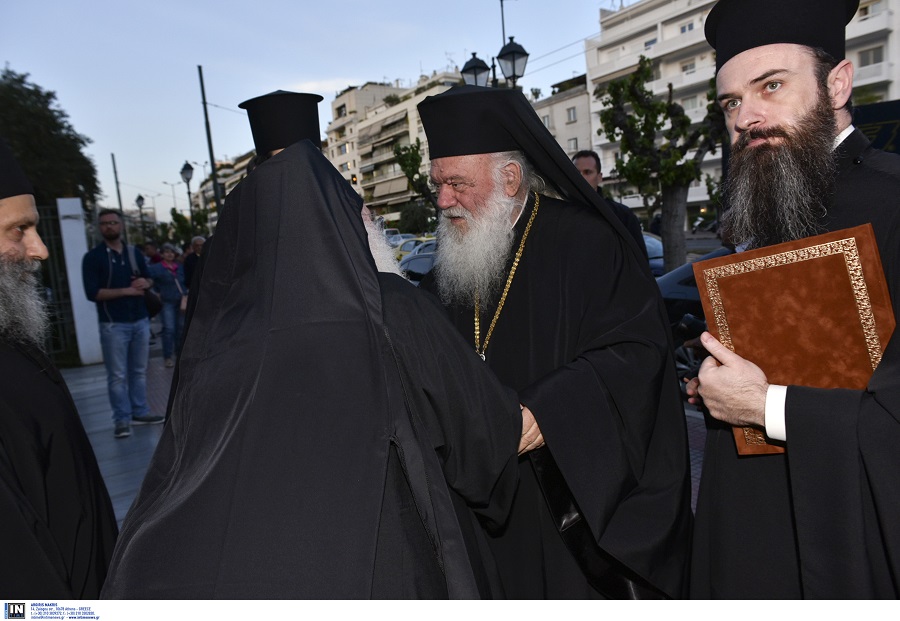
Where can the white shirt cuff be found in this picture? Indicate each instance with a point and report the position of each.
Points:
(775, 399)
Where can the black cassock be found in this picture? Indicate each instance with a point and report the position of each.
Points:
(582, 339)
(57, 525)
(823, 519)
(329, 426)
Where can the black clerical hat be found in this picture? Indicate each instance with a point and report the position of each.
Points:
(12, 178)
(282, 118)
(735, 26)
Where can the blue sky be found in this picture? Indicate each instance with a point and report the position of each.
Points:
(126, 72)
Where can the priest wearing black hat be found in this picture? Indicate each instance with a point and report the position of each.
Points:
(559, 302)
(330, 433)
(821, 520)
(57, 526)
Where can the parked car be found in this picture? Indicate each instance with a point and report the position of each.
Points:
(417, 265)
(654, 253)
(685, 313)
(396, 240)
(425, 247)
(409, 245)
(388, 233)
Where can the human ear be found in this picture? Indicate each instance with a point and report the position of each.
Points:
(840, 84)
(512, 173)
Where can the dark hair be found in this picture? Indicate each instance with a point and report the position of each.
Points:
(823, 64)
(592, 154)
(115, 212)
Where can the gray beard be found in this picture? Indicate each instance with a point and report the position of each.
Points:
(777, 193)
(23, 312)
(475, 261)
(385, 256)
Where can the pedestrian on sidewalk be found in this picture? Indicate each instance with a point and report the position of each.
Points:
(115, 277)
(168, 281)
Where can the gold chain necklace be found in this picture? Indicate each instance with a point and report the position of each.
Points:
(512, 272)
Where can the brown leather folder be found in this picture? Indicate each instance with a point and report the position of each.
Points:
(812, 312)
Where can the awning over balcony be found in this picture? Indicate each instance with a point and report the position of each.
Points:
(390, 187)
(370, 134)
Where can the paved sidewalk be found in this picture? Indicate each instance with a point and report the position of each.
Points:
(124, 461)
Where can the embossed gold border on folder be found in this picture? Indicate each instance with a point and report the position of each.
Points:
(845, 247)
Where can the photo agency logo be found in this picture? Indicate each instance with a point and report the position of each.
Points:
(14, 610)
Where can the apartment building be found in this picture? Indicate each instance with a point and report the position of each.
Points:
(670, 32)
(395, 122)
(349, 107)
(567, 114)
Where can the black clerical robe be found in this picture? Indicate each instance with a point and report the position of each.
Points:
(57, 525)
(823, 519)
(329, 427)
(582, 338)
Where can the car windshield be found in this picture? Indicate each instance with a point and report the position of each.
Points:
(654, 247)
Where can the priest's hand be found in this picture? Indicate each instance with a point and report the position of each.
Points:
(733, 389)
(531, 433)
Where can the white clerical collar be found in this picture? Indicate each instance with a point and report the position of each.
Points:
(843, 136)
(521, 211)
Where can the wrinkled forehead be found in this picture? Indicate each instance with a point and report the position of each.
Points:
(462, 166)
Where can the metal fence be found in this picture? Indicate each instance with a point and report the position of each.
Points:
(62, 344)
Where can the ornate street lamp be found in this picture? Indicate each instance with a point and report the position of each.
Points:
(512, 59)
(139, 201)
(187, 171)
(475, 72)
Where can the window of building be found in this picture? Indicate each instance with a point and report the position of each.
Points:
(573, 144)
(571, 117)
(688, 68)
(341, 110)
(867, 9)
(344, 167)
(649, 43)
(685, 28)
(342, 150)
(689, 103)
(871, 56)
(546, 120)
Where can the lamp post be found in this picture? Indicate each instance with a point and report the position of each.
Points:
(172, 185)
(187, 171)
(139, 201)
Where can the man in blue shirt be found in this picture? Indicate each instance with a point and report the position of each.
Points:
(118, 289)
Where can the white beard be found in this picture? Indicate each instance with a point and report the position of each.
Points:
(475, 261)
(23, 312)
(384, 255)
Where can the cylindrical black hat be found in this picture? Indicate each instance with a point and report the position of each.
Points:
(13, 181)
(735, 26)
(282, 118)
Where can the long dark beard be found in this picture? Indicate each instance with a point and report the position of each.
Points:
(778, 192)
(23, 312)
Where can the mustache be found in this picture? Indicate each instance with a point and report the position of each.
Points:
(759, 134)
(455, 212)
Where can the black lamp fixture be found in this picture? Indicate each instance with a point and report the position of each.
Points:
(139, 201)
(512, 59)
(475, 72)
(187, 172)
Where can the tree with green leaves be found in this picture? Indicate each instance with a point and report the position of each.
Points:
(661, 150)
(47, 146)
(409, 158)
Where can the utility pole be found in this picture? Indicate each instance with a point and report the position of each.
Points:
(212, 158)
(119, 196)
